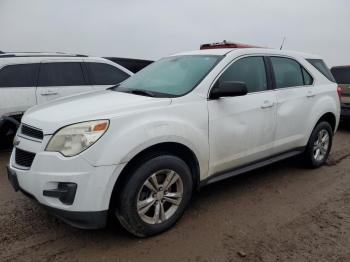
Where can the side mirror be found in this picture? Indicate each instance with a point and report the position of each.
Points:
(228, 88)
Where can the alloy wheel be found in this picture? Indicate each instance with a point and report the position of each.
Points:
(160, 196)
(321, 145)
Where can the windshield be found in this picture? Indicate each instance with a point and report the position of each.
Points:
(170, 77)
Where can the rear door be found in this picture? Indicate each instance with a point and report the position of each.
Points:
(61, 78)
(295, 94)
(17, 88)
(103, 76)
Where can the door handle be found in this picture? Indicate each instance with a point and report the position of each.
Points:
(267, 104)
(49, 93)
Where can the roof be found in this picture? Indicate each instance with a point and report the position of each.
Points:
(225, 51)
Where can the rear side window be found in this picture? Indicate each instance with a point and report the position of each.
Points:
(250, 70)
(288, 72)
(61, 74)
(105, 74)
(341, 74)
(321, 66)
(24, 75)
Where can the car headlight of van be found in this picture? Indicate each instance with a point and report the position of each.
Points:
(74, 139)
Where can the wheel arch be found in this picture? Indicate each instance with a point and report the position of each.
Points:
(174, 148)
(330, 118)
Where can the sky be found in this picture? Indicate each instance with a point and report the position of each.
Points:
(151, 29)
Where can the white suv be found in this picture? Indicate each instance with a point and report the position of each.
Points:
(28, 79)
(142, 148)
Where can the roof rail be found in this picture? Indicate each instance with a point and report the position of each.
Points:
(38, 54)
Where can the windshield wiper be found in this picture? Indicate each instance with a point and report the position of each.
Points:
(113, 87)
(138, 92)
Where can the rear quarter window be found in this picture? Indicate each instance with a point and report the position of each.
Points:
(105, 74)
(320, 65)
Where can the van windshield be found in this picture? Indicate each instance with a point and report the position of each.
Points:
(170, 77)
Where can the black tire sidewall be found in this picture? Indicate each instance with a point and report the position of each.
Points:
(314, 135)
(127, 210)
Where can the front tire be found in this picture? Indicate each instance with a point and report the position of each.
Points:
(319, 145)
(155, 196)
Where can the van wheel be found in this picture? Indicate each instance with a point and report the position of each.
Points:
(155, 196)
(319, 145)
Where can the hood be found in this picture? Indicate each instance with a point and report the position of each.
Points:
(91, 106)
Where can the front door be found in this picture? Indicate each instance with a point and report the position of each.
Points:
(241, 129)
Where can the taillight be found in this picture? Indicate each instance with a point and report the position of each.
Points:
(340, 91)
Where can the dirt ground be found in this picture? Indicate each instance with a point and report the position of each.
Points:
(282, 212)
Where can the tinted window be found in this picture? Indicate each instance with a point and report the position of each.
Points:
(18, 75)
(321, 66)
(105, 74)
(250, 70)
(341, 74)
(308, 80)
(288, 72)
(61, 74)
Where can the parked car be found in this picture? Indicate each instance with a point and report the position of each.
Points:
(28, 79)
(134, 65)
(342, 76)
(140, 150)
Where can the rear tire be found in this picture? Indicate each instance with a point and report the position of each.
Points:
(155, 196)
(319, 145)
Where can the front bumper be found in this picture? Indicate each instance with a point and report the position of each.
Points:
(94, 184)
(83, 220)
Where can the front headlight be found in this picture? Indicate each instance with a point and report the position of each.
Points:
(74, 139)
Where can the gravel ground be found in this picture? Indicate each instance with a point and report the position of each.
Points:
(282, 212)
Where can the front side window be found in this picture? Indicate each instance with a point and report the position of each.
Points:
(171, 76)
(105, 74)
(19, 75)
(61, 74)
(288, 72)
(249, 70)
